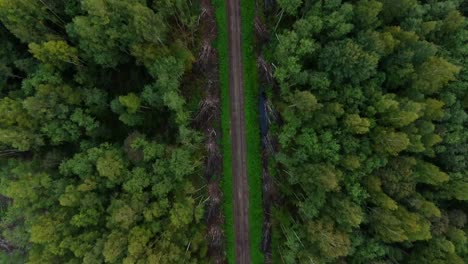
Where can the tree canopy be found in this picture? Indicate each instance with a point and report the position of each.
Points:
(372, 151)
(99, 161)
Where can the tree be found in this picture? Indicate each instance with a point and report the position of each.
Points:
(357, 124)
(347, 213)
(114, 247)
(434, 109)
(430, 174)
(434, 74)
(28, 20)
(305, 102)
(395, 10)
(391, 115)
(290, 7)
(407, 113)
(131, 102)
(398, 177)
(389, 141)
(399, 225)
(379, 197)
(331, 242)
(348, 61)
(366, 13)
(436, 251)
(424, 207)
(55, 53)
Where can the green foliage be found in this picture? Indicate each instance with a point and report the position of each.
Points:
(290, 7)
(98, 161)
(372, 144)
(29, 20)
(357, 124)
(434, 74)
(331, 242)
(347, 61)
(54, 53)
(131, 102)
(388, 141)
(399, 225)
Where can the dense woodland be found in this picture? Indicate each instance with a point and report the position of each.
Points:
(371, 166)
(99, 159)
(108, 123)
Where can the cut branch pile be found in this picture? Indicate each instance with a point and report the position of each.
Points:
(207, 57)
(267, 145)
(209, 110)
(215, 222)
(205, 53)
(266, 71)
(272, 114)
(266, 241)
(268, 191)
(207, 119)
(215, 234)
(214, 158)
(261, 32)
(266, 78)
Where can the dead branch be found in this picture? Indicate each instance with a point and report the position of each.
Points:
(268, 146)
(214, 158)
(272, 114)
(209, 110)
(213, 206)
(205, 53)
(265, 69)
(214, 193)
(266, 240)
(215, 234)
(260, 30)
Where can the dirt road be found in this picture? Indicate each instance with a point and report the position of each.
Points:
(239, 149)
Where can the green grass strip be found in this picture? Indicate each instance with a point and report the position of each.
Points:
(222, 45)
(254, 162)
(251, 93)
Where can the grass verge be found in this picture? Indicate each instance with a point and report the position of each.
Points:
(222, 46)
(251, 93)
(254, 162)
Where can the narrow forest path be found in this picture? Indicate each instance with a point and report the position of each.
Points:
(238, 135)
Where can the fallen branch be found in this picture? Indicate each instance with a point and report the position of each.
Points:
(265, 70)
(209, 110)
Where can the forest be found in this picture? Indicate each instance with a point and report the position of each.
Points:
(100, 161)
(114, 131)
(372, 145)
